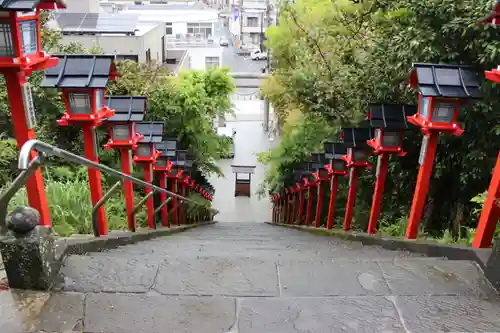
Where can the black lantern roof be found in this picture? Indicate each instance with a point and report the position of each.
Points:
(391, 116)
(356, 137)
(127, 108)
(152, 131)
(453, 81)
(80, 71)
(334, 150)
(29, 5)
(318, 161)
(182, 159)
(167, 147)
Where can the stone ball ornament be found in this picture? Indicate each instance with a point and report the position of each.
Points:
(23, 220)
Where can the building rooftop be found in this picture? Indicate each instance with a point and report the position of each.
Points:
(101, 23)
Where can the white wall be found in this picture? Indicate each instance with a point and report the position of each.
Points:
(126, 45)
(82, 6)
(197, 56)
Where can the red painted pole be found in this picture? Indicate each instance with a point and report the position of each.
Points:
(309, 205)
(378, 193)
(175, 218)
(334, 184)
(491, 212)
(182, 214)
(128, 190)
(163, 196)
(89, 146)
(295, 207)
(34, 186)
(319, 204)
(424, 177)
(301, 205)
(289, 209)
(282, 209)
(148, 177)
(351, 199)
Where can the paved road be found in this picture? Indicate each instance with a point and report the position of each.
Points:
(257, 278)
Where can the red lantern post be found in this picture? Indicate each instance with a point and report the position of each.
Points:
(334, 151)
(310, 193)
(163, 167)
(442, 89)
(356, 160)
(318, 161)
(21, 54)
(491, 207)
(147, 155)
(83, 80)
(123, 136)
(389, 121)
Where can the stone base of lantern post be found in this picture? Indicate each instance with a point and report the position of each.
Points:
(29, 251)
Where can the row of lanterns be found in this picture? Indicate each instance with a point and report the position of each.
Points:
(442, 91)
(83, 80)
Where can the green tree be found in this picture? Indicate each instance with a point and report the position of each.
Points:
(330, 64)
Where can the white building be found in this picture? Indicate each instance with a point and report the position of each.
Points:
(144, 33)
(251, 22)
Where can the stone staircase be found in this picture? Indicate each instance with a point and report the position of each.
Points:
(258, 278)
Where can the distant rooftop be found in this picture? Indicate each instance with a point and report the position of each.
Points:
(101, 23)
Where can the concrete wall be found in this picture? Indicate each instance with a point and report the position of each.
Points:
(82, 6)
(198, 55)
(125, 45)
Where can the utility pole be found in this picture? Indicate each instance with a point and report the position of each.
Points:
(241, 22)
(268, 62)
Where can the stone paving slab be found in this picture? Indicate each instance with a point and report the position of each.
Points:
(435, 277)
(62, 313)
(320, 278)
(218, 276)
(319, 315)
(448, 314)
(111, 313)
(89, 273)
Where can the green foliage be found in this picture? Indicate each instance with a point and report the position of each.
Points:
(330, 64)
(71, 209)
(187, 104)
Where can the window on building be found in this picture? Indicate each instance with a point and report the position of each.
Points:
(212, 62)
(204, 29)
(252, 21)
(28, 36)
(6, 48)
(169, 30)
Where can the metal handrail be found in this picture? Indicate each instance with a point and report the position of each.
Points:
(28, 167)
(49, 150)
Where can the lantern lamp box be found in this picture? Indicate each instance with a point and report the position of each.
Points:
(389, 122)
(243, 178)
(20, 20)
(153, 133)
(443, 89)
(121, 126)
(82, 78)
(356, 141)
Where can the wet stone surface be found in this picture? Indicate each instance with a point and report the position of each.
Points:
(256, 278)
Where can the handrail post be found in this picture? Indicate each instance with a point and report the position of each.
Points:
(14, 187)
(141, 203)
(96, 208)
(161, 206)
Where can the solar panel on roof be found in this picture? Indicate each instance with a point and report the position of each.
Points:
(96, 22)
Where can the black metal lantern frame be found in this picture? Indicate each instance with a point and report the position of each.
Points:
(389, 122)
(355, 140)
(153, 133)
(443, 89)
(334, 153)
